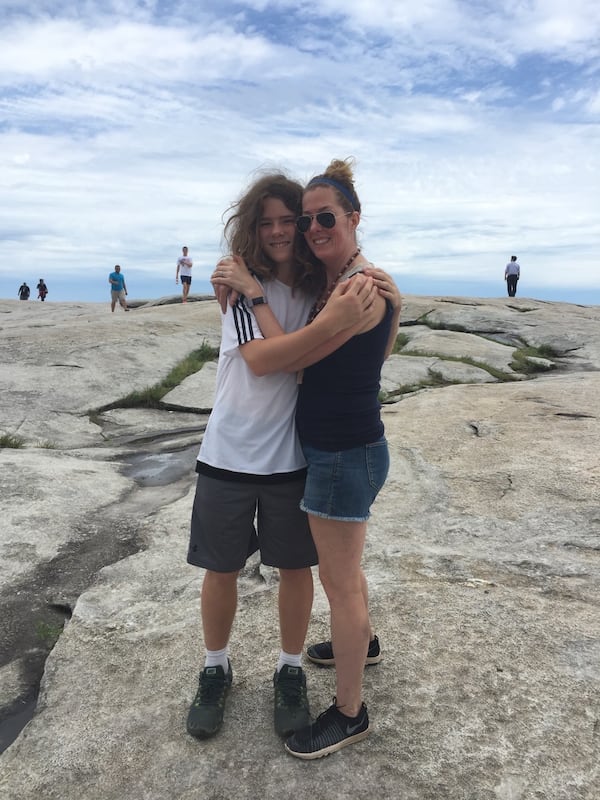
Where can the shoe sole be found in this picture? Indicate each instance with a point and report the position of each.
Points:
(330, 662)
(331, 749)
(203, 734)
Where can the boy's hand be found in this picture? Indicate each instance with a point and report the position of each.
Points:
(386, 286)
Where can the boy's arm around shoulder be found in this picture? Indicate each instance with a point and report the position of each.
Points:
(348, 310)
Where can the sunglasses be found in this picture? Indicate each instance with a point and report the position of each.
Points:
(326, 219)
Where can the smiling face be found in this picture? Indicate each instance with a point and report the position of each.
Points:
(276, 232)
(331, 245)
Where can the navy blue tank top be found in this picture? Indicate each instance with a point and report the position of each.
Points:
(338, 402)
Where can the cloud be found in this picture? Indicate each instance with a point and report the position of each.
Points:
(128, 127)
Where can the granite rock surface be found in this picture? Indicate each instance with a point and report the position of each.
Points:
(483, 561)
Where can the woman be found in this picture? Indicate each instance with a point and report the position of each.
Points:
(250, 460)
(341, 433)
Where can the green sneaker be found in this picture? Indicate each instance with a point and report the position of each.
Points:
(205, 716)
(291, 711)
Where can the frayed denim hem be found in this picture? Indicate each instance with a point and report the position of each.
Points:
(321, 514)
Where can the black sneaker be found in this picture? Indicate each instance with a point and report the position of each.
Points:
(205, 716)
(322, 653)
(291, 702)
(331, 731)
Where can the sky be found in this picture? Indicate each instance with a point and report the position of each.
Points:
(128, 128)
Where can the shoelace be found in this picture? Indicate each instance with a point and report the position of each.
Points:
(289, 692)
(325, 719)
(210, 690)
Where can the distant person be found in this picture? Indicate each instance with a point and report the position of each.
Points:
(512, 273)
(184, 270)
(42, 290)
(118, 289)
(24, 291)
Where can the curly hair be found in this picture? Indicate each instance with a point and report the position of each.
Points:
(339, 172)
(242, 226)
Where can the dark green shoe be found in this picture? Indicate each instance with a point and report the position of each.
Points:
(205, 716)
(291, 701)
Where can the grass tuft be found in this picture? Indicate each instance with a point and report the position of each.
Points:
(401, 341)
(442, 326)
(10, 440)
(48, 633)
(498, 374)
(151, 396)
(521, 359)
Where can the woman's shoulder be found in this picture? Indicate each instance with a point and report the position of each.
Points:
(356, 268)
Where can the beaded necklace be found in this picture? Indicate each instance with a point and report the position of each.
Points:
(320, 304)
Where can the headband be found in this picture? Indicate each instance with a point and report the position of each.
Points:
(336, 185)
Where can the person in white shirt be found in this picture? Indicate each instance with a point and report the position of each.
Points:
(512, 273)
(184, 271)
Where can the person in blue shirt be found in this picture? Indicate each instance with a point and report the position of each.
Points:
(118, 289)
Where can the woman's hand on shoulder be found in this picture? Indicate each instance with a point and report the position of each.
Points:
(386, 286)
(355, 303)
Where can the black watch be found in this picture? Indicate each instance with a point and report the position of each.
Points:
(256, 301)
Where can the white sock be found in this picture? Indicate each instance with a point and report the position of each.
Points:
(291, 659)
(217, 658)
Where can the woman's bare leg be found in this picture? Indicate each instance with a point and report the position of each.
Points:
(340, 548)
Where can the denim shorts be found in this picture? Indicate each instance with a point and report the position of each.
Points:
(342, 485)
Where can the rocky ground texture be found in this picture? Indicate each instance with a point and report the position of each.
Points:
(483, 561)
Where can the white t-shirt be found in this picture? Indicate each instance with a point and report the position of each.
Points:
(185, 264)
(252, 425)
